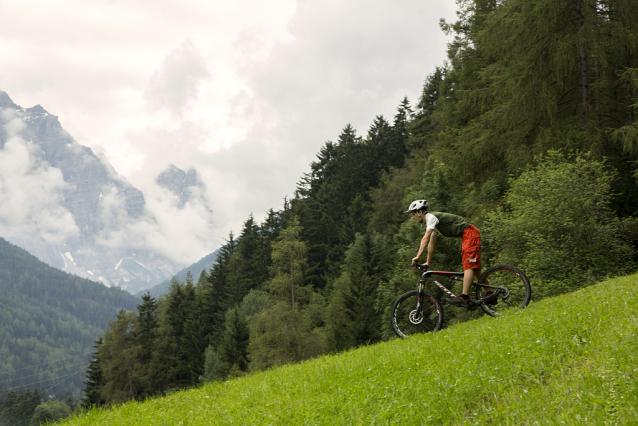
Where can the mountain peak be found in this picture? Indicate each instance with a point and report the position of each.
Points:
(36, 110)
(86, 206)
(178, 182)
(6, 102)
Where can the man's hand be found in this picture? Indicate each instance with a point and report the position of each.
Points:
(415, 261)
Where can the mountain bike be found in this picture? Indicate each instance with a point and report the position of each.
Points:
(418, 311)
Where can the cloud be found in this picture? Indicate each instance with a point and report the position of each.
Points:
(335, 63)
(348, 62)
(340, 63)
(181, 234)
(246, 92)
(174, 86)
(30, 192)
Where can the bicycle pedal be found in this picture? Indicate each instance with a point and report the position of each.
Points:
(454, 301)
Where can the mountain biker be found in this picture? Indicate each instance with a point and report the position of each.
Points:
(450, 225)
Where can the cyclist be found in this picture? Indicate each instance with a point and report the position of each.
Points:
(450, 225)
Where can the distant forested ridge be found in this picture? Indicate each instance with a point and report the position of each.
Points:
(195, 269)
(49, 321)
(529, 130)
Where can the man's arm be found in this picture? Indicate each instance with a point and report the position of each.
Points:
(431, 246)
(429, 241)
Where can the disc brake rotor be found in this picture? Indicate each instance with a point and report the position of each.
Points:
(416, 317)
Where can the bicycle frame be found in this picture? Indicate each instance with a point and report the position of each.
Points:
(428, 276)
(455, 276)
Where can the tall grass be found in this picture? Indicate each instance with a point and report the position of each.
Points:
(572, 359)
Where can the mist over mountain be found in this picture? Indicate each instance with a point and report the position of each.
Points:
(179, 182)
(68, 207)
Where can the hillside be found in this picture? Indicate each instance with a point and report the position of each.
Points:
(570, 359)
(49, 321)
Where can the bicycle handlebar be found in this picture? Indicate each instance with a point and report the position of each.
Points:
(422, 267)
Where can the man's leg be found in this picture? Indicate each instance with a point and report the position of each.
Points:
(471, 257)
(470, 275)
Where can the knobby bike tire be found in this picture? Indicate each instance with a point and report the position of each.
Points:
(431, 319)
(518, 289)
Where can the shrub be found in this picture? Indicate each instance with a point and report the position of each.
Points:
(556, 225)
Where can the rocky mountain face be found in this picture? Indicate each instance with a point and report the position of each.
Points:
(179, 182)
(78, 214)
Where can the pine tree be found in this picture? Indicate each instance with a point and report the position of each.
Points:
(197, 331)
(217, 296)
(424, 127)
(146, 327)
(400, 134)
(168, 371)
(181, 298)
(118, 358)
(249, 248)
(285, 332)
(288, 258)
(145, 335)
(94, 381)
(353, 316)
(233, 350)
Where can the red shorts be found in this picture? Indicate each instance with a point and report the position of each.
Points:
(471, 248)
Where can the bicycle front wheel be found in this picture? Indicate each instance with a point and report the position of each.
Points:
(512, 286)
(411, 316)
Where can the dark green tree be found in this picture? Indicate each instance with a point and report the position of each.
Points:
(94, 381)
(233, 350)
(51, 411)
(353, 317)
(197, 330)
(145, 332)
(531, 75)
(424, 127)
(285, 332)
(146, 327)
(19, 407)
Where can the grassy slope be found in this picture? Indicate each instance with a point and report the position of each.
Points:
(567, 360)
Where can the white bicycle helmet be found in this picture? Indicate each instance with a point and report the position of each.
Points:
(417, 205)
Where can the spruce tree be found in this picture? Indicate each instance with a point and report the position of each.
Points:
(145, 336)
(197, 331)
(233, 350)
(285, 333)
(94, 381)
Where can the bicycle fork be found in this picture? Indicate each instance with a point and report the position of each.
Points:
(419, 297)
(416, 316)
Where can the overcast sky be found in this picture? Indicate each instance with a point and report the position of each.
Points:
(244, 91)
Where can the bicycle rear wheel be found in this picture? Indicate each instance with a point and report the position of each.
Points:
(409, 317)
(514, 290)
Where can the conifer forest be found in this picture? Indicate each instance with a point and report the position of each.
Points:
(528, 129)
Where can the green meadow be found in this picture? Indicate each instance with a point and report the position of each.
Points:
(571, 359)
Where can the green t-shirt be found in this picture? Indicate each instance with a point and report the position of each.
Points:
(446, 224)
